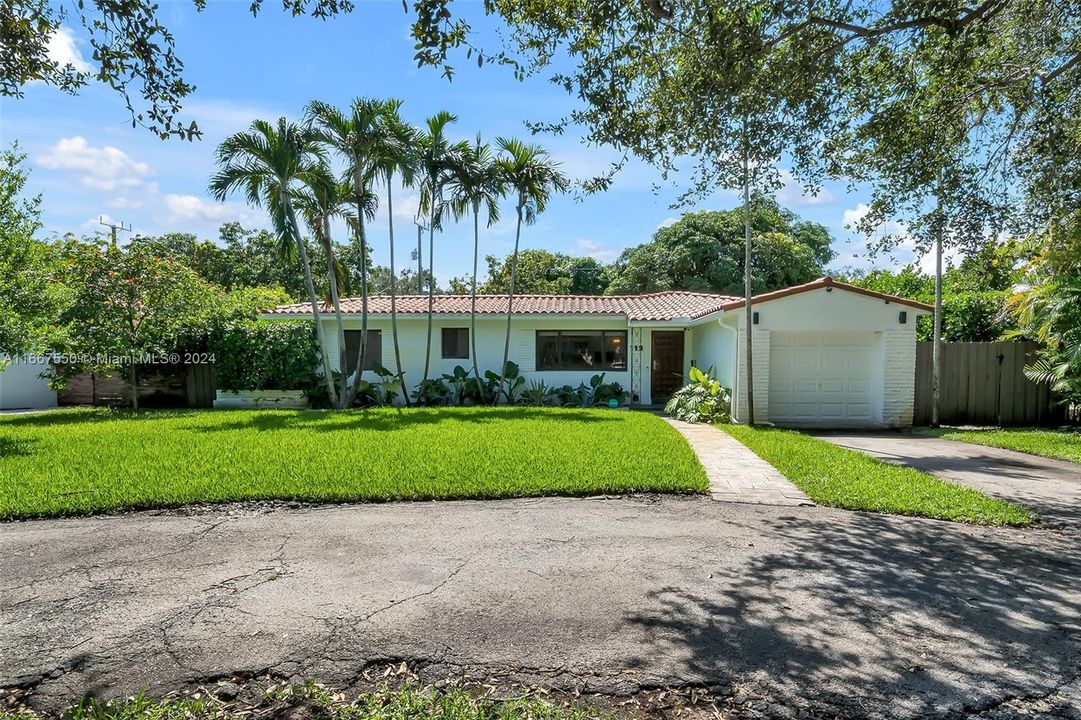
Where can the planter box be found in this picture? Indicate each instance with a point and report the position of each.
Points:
(248, 399)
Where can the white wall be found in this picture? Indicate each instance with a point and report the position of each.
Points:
(712, 347)
(20, 386)
(835, 311)
(491, 333)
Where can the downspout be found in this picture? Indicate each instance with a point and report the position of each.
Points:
(735, 356)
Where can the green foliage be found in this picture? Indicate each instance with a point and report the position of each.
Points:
(538, 394)
(463, 388)
(703, 251)
(163, 459)
(595, 393)
(702, 400)
(508, 386)
(838, 477)
(264, 355)
(31, 294)
(378, 394)
(431, 392)
(546, 273)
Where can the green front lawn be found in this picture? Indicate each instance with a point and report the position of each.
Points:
(1061, 444)
(836, 476)
(83, 461)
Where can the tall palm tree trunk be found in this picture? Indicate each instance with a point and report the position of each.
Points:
(431, 291)
(332, 275)
(360, 238)
(473, 301)
(510, 303)
(302, 250)
(394, 294)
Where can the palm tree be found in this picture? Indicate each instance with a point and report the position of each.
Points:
(268, 163)
(531, 174)
(317, 204)
(436, 156)
(354, 136)
(394, 154)
(477, 181)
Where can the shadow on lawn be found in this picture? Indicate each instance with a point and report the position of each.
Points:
(391, 419)
(905, 610)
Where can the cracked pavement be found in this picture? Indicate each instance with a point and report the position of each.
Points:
(876, 615)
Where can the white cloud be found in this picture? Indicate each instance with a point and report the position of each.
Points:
(125, 203)
(192, 209)
(63, 50)
(667, 222)
(98, 168)
(793, 194)
(225, 116)
(596, 250)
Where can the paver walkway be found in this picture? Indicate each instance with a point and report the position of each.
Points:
(1052, 488)
(735, 473)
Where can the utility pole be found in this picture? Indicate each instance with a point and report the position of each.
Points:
(420, 258)
(114, 227)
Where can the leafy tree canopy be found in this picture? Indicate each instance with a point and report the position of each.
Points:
(545, 273)
(703, 251)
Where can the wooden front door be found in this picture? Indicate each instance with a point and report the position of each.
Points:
(667, 370)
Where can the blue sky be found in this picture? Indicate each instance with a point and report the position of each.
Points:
(88, 161)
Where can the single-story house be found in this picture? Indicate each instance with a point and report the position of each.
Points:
(826, 353)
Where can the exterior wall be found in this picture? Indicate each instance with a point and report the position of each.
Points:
(491, 333)
(835, 311)
(712, 348)
(20, 386)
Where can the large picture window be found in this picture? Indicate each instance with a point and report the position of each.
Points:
(598, 350)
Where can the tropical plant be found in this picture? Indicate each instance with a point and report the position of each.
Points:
(702, 400)
(269, 163)
(596, 392)
(379, 393)
(538, 393)
(265, 355)
(317, 204)
(432, 391)
(507, 386)
(476, 182)
(532, 176)
(354, 136)
(436, 157)
(464, 389)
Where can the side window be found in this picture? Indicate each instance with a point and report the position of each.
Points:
(373, 355)
(455, 343)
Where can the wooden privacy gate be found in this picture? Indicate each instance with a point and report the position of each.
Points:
(159, 386)
(983, 383)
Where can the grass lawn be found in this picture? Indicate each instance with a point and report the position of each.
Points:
(835, 476)
(83, 461)
(1061, 444)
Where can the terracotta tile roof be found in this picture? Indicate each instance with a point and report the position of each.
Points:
(668, 305)
(660, 306)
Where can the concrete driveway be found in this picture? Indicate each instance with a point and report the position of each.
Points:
(1052, 488)
(875, 616)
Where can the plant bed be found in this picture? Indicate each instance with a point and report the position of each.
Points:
(171, 458)
(836, 476)
(258, 399)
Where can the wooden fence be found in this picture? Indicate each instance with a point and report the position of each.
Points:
(159, 386)
(984, 383)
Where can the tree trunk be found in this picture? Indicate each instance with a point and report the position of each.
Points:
(473, 302)
(420, 260)
(431, 291)
(358, 372)
(309, 284)
(394, 294)
(748, 289)
(936, 346)
(133, 376)
(510, 304)
(332, 278)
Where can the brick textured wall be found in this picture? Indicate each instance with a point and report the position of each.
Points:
(899, 376)
(760, 351)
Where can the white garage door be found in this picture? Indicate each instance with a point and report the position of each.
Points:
(824, 379)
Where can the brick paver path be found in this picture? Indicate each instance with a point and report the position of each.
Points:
(735, 473)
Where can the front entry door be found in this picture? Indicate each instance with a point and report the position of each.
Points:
(667, 374)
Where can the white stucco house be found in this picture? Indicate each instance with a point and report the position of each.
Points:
(826, 354)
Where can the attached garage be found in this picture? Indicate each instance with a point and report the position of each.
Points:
(828, 355)
(822, 378)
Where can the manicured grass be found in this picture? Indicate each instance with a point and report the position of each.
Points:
(835, 476)
(1061, 444)
(83, 461)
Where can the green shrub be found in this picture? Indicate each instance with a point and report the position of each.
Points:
(702, 400)
(430, 392)
(597, 392)
(263, 355)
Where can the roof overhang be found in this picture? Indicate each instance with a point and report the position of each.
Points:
(828, 283)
